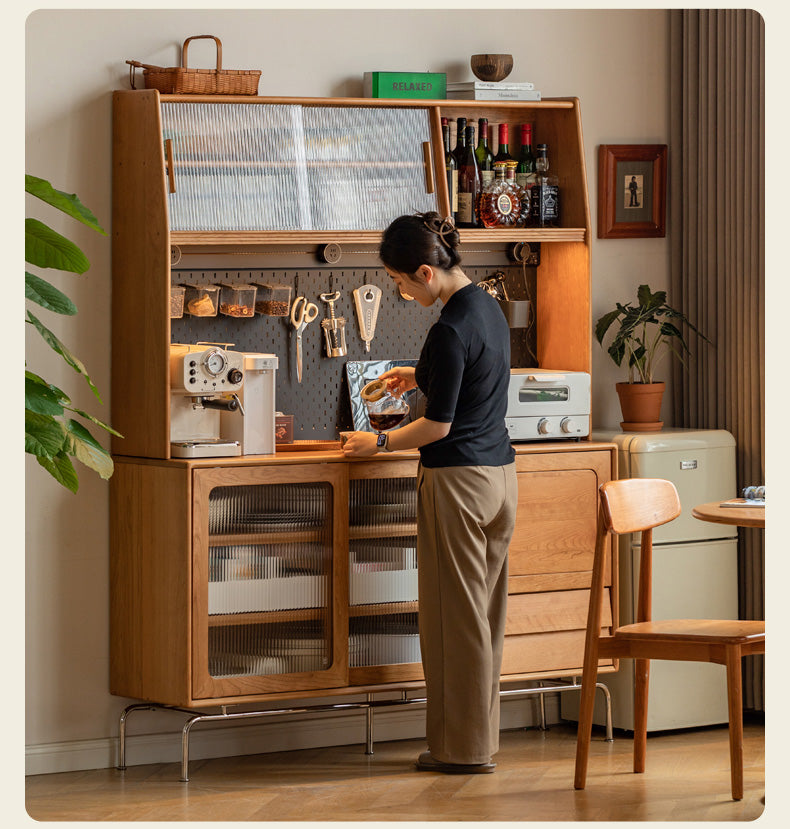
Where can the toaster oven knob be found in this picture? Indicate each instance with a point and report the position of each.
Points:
(567, 425)
(544, 426)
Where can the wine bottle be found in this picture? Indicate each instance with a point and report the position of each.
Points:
(451, 167)
(545, 193)
(503, 151)
(525, 172)
(485, 158)
(468, 183)
(460, 140)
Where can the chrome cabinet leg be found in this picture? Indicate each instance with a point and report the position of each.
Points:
(369, 725)
(608, 701)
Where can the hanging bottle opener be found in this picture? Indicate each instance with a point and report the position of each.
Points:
(367, 299)
(334, 328)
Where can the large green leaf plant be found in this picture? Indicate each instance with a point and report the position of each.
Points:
(51, 434)
(648, 331)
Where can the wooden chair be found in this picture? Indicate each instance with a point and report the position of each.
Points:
(638, 505)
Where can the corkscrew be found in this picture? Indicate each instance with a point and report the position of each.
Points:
(334, 328)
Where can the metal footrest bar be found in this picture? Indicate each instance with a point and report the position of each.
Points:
(368, 705)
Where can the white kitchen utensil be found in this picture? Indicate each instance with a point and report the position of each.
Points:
(367, 300)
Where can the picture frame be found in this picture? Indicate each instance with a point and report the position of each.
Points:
(632, 191)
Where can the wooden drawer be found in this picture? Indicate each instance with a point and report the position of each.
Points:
(545, 612)
(555, 523)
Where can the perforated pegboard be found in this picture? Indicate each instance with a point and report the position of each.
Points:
(320, 403)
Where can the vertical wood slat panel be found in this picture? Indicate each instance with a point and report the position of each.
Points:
(718, 258)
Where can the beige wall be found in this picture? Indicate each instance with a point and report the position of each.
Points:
(615, 61)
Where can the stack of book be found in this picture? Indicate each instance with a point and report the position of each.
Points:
(493, 91)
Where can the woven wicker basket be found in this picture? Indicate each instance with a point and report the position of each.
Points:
(180, 80)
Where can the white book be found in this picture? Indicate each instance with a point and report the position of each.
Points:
(494, 94)
(491, 85)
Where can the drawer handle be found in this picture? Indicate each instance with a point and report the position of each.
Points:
(430, 184)
(171, 173)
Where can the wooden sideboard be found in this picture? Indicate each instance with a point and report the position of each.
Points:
(173, 523)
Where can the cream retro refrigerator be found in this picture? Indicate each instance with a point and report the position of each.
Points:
(694, 575)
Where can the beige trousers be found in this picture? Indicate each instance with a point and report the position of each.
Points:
(465, 518)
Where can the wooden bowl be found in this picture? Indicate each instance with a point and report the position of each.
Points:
(491, 67)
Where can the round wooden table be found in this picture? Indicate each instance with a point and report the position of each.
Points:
(738, 516)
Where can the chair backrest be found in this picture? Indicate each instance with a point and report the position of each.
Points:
(636, 504)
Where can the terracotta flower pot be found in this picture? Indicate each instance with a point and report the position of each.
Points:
(640, 404)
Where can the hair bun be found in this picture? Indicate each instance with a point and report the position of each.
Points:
(444, 228)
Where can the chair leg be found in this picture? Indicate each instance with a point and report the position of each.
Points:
(735, 707)
(584, 730)
(641, 686)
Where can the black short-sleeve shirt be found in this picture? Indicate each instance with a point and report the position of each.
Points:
(464, 372)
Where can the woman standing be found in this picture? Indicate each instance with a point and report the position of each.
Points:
(466, 490)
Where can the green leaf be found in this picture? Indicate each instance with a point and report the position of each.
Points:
(62, 470)
(603, 324)
(56, 345)
(44, 436)
(63, 398)
(48, 249)
(47, 296)
(98, 422)
(88, 450)
(67, 202)
(42, 399)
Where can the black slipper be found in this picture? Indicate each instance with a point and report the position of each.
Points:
(427, 762)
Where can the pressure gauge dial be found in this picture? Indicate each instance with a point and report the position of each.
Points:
(214, 362)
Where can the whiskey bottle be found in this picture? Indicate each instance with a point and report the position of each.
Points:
(485, 158)
(468, 183)
(451, 167)
(545, 193)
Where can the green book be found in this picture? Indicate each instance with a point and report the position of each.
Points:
(405, 84)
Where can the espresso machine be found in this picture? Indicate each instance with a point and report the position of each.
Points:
(205, 381)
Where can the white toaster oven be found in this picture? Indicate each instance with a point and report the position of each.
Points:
(548, 405)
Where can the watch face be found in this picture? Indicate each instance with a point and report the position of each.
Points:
(381, 440)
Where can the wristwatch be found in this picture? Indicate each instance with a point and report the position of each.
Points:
(381, 442)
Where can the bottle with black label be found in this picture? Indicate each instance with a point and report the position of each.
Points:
(451, 167)
(468, 183)
(545, 193)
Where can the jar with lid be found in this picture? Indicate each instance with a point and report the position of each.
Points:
(273, 300)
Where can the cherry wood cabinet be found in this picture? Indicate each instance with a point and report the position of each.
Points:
(280, 537)
(154, 154)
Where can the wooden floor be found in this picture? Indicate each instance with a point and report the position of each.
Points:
(687, 778)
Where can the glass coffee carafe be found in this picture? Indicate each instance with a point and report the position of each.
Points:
(384, 410)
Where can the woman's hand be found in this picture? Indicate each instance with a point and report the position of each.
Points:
(360, 445)
(399, 380)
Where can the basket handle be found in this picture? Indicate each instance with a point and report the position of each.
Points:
(197, 37)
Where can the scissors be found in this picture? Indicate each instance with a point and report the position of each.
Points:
(302, 312)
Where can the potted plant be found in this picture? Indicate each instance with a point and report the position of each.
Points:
(648, 331)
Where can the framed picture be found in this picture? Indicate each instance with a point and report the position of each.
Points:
(632, 190)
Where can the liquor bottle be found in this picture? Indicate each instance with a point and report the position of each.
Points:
(460, 140)
(545, 193)
(468, 183)
(526, 158)
(485, 158)
(500, 203)
(503, 151)
(452, 170)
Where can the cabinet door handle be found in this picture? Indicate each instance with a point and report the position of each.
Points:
(430, 185)
(171, 173)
